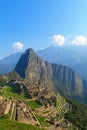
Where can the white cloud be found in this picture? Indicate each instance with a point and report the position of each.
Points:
(59, 39)
(79, 40)
(18, 45)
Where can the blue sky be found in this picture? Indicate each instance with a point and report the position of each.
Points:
(41, 23)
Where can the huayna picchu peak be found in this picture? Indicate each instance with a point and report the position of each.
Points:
(33, 69)
(23, 62)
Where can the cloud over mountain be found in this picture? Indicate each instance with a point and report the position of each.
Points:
(79, 40)
(58, 39)
(18, 45)
(61, 40)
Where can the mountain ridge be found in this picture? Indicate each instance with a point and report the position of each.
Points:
(46, 76)
(8, 63)
(71, 56)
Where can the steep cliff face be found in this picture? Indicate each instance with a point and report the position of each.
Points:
(46, 76)
(33, 69)
(65, 79)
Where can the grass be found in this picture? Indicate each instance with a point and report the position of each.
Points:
(33, 104)
(8, 92)
(60, 104)
(6, 124)
(45, 112)
(41, 119)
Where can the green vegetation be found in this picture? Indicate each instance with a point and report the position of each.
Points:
(33, 104)
(60, 104)
(70, 127)
(2, 81)
(45, 112)
(77, 115)
(6, 124)
(11, 92)
(42, 119)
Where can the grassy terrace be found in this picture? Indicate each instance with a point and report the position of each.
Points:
(60, 104)
(33, 104)
(10, 92)
(6, 124)
(41, 119)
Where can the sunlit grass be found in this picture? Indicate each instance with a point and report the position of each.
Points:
(33, 104)
(8, 92)
(42, 119)
(6, 124)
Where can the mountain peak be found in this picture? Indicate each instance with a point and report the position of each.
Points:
(24, 61)
(33, 69)
(29, 51)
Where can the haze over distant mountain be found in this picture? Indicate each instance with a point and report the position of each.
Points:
(47, 77)
(8, 63)
(72, 56)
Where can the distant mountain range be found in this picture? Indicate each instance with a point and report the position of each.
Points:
(71, 56)
(74, 57)
(8, 63)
